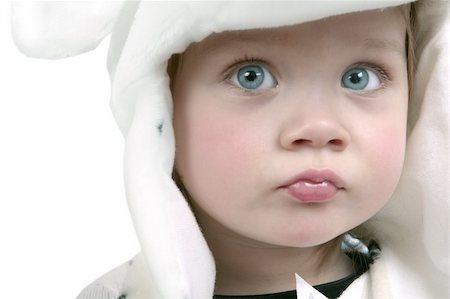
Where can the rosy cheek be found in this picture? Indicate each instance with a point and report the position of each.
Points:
(225, 146)
(387, 154)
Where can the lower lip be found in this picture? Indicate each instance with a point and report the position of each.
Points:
(308, 191)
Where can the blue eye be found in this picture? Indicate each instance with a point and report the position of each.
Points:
(360, 79)
(253, 76)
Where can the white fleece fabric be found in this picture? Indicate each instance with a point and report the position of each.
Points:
(174, 261)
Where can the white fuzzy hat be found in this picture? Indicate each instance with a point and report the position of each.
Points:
(412, 229)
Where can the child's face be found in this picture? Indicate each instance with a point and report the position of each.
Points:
(254, 109)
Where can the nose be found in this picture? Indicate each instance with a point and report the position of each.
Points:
(315, 133)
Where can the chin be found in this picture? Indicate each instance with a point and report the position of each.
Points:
(304, 239)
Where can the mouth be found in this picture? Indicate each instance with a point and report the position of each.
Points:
(314, 186)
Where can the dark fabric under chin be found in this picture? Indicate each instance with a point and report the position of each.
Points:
(332, 290)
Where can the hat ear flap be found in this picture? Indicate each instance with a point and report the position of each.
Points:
(55, 30)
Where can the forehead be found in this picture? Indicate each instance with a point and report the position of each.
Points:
(379, 29)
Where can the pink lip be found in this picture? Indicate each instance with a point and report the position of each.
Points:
(314, 185)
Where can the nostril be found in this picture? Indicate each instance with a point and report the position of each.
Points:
(337, 142)
(302, 142)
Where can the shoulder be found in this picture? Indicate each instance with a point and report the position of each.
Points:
(131, 280)
(374, 283)
(108, 286)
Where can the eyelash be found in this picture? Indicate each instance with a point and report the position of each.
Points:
(380, 69)
(241, 62)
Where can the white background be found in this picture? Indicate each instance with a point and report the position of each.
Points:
(63, 214)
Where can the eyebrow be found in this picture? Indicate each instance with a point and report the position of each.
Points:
(236, 39)
(384, 44)
(367, 43)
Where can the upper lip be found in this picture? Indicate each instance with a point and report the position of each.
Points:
(317, 176)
